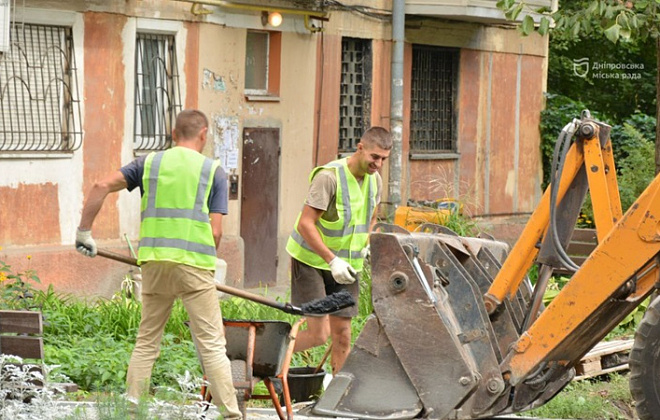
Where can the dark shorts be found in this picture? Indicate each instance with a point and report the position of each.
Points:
(309, 283)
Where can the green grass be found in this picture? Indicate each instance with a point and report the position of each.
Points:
(607, 397)
(91, 343)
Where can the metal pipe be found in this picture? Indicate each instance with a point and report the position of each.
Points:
(545, 272)
(243, 6)
(396, 104)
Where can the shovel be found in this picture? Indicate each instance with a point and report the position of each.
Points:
(327, 305)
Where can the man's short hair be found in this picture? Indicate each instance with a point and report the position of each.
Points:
(377, 136)
(189, 123)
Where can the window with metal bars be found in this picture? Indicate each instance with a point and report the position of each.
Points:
(39, 99)
(433, 99)
(355, 92)
(157, 95)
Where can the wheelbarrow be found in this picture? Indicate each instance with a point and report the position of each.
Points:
(259, 351)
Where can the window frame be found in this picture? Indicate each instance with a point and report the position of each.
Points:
(273, 62)
(65, 124)
(436, 153)
(366, 86)
(167, 105)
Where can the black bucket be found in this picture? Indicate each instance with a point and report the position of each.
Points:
(304, 384)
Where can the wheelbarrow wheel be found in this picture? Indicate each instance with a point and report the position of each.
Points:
(238, 375)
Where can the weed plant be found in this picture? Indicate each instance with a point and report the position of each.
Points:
(20, 399)
(603, 398)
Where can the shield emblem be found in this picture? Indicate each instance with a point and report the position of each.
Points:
(581, 67)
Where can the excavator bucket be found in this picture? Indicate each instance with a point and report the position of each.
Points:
(431, 350)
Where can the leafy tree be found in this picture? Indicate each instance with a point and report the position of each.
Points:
(626, 92)
(617, 20)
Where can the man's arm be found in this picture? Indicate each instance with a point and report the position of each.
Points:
(112, 183)
(307, 229)
(85, 244)
(216, 226)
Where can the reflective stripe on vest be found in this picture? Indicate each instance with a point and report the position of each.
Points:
(175, 225)
(349, 234)
(195, 213)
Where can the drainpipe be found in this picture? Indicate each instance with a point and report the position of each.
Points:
(396, 105)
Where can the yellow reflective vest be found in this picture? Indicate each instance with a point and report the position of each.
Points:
(348, 235)
(175, 214)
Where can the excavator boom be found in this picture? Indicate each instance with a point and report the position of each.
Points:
(458, 330)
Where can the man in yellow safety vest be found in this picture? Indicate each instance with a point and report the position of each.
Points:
(184, 196)
(330, 236)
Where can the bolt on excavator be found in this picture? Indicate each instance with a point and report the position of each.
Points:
(459, 331)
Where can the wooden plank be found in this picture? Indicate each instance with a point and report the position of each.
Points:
(602, 372)
(581, 248)
(22, 346)
(28, 322)
(604, 357)
(64, 387)
(584, 235)
(608, 347)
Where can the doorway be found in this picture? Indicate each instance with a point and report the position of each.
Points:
(259, 204)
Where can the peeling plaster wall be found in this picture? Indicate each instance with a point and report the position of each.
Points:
(221, 96)
(498, 167)
(39, 194)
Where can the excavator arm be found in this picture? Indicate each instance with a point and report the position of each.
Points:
(458, 331)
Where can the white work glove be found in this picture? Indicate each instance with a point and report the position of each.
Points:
(366, 253)
(85, 243)
(342, 271)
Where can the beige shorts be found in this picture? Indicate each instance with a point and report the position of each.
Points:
(309, 283)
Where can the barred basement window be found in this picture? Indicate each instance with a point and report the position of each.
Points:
(39, 105)
(157, 95)
(433, 99)
(355, 92)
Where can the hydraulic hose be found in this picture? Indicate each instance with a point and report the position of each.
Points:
(557, 168)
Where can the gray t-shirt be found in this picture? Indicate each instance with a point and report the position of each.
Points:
(323, 192)
(217, 199)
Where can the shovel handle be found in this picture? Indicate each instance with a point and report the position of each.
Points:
(285, 307)
(117, 257)
(325, 357)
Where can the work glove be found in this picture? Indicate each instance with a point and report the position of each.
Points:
(342, 271)
(366, 253)
(85, 243)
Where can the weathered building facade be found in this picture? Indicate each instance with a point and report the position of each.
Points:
(89, 85)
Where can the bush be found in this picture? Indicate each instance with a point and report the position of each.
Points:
(626, 135)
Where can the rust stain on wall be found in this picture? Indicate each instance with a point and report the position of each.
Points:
(191, 66)
(471, 180)
(380, 97)
(29, 215)
(431, 179)
(104, 110)
(531, 104)
(381, 83)
(502, 131)
(328, 78)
